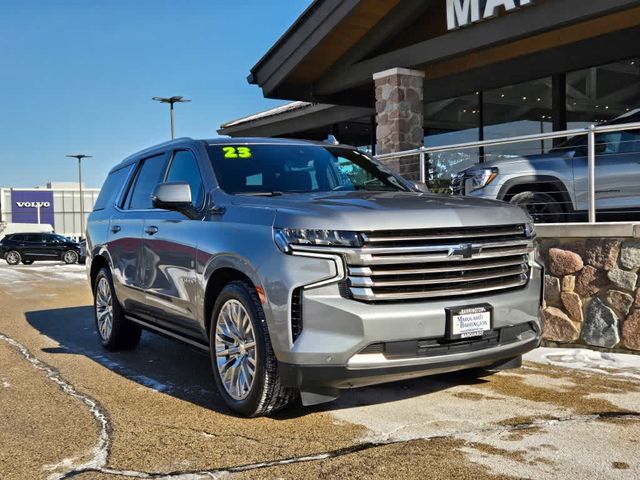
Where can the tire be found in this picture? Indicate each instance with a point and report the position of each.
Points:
(541, 206)
(13, 257)
(114, 330)
(263, 394)
(27, 262)
(69, 257)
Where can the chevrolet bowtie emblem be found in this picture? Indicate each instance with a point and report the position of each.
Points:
(466, 250)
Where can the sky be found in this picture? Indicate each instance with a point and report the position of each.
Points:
(77, 76)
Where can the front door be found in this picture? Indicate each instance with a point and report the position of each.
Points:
(617, 172)
(169, 253)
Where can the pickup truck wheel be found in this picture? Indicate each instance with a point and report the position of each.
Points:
(114, 330)
(13, 257)
(541, 206)
(244, 364)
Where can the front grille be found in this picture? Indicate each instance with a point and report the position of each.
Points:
(423, 264)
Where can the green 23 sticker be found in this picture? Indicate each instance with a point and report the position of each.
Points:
(236, 152)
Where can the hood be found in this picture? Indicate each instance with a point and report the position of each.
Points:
(539, 160)
(364, 211)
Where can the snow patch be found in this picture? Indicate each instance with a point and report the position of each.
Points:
(618, 364)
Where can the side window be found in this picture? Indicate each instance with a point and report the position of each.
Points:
(184, 168)
(149, 175)
(112, 186)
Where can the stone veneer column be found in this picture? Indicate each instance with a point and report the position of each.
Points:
(400, 116)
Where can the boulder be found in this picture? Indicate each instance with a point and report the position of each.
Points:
(631, 331)
(630, 255)
(590, 281)
(620, 301)
(558, 327)
(564, 262)
(600, 326)
(568, 283)
(572, 305)
(601, 253)
(552, 290)
(623, 279)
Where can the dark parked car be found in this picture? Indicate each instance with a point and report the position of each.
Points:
(29, 247)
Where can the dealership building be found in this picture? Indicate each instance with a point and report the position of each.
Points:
(56, 204)
(391, 75)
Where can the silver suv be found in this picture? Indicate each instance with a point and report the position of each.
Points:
(305, 268)
(553, 186)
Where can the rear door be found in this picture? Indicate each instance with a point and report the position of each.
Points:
(169, 250)
(126, 230)
(35, 247)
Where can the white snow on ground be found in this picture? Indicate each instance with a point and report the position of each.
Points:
(618, 364)
(27, 274)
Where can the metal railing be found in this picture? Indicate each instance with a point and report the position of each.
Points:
(589, 132)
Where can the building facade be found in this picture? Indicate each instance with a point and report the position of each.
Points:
(57, 205)
(391, 75)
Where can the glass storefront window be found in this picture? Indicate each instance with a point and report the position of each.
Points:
(599, 94)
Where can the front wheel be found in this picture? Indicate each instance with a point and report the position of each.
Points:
(13, 257)
(244, 364)
(70, 257)
(541, 206)
(114, 330)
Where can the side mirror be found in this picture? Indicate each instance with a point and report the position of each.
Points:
(174, 196)
(420, 187)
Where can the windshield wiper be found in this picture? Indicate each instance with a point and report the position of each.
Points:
(262, 194)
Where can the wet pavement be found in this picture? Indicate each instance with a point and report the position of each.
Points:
(70, 409)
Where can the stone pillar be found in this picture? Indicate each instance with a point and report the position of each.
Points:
(400, 116)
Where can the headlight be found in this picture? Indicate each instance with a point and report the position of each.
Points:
(284, 237)
(479, 178)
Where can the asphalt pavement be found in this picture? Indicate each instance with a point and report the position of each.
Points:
(69, 409)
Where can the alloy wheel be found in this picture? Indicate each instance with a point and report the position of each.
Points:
(104, 308)
(70, 257)
(13, 258)
(235, 345)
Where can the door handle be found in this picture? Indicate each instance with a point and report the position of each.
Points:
(151, 230)
(116, 228)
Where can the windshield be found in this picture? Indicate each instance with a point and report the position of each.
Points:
(280, 169)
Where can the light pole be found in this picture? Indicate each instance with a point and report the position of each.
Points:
(80, 156)
(171, 101)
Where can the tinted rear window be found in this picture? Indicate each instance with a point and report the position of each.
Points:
(148, 177)
(112, 186)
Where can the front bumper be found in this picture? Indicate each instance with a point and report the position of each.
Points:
(321, 383)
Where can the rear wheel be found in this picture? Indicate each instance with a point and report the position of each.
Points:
(543, 207)
(70, 257)
(27, 262)
(244, 364)
(13, 257)
(114, 330)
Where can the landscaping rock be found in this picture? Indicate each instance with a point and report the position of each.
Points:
(564, 262)
(630, 255)
(602, 254)
(552, 291)
(572, 305)
(631, 331)
(623, 279)
(590, 281)
(600, 327)
(568, 283)
(558, 327)
(636, 301)
(620, 301)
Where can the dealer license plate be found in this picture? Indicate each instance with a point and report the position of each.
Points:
(468, 322)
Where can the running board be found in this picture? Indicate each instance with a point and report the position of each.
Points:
(167, 333)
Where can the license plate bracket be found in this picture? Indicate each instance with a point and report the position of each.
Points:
(470, 321)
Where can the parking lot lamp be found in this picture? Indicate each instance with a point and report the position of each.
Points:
(171, 101)
(80, 156)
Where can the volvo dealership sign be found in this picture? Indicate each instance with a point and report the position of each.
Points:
(461, 13)
(32, 206)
